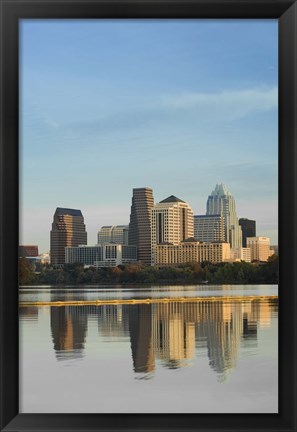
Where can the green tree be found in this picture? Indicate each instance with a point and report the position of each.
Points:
(26, 273)
(270, 270)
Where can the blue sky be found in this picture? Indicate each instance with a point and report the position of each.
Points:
(176, 105)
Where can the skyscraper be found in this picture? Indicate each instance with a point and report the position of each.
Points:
(172, 222)
(222, 202)
(140, 223)
(248, 228)
(68, 229)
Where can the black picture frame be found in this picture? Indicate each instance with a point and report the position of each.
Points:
(286, 13)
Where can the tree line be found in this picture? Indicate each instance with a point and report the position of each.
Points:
(191, 273)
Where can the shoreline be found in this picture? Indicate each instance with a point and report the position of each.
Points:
(146, 301)
(140, 285)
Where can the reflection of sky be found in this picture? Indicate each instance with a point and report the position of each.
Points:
(229, 371)
(110, 105)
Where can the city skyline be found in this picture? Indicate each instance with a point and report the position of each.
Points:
(181, 116)
(90, 242)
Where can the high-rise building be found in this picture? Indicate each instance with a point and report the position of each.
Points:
(113, 234)
(248, 228)
(222, 202)
(209, 228)
(68, 229)
(140, 223)
(260, 248)
(172, 221)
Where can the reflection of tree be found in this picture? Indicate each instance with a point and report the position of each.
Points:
(69, 328)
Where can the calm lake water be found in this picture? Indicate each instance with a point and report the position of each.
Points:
(188, 349)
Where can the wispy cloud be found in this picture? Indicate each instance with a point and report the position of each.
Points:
(227, 105)
(234, 104)
(153, 115)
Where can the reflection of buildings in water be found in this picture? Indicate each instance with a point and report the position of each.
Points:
(250, 313)
(170, 331)
(140, 326)
(249, 328)
(265, 315)
(28, 313)
(173, 333)
(112, 321)
(220, 328)
(69, 328)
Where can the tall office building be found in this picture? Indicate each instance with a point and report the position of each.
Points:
(140, 223)
(172, 221)
(209, 228)
(68, 229)
(113, 234)
(248, 228)
(222, 202)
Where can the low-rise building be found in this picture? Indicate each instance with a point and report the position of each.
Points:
(191, 251)
(240, 254)
(260, 248)
(106, 255)
(117, 254)
(28, 251)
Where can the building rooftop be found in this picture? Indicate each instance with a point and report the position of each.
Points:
(142, 188)
(66, 211)
(190, 240)
(208, 216)
(220, 190)
(172, 198)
